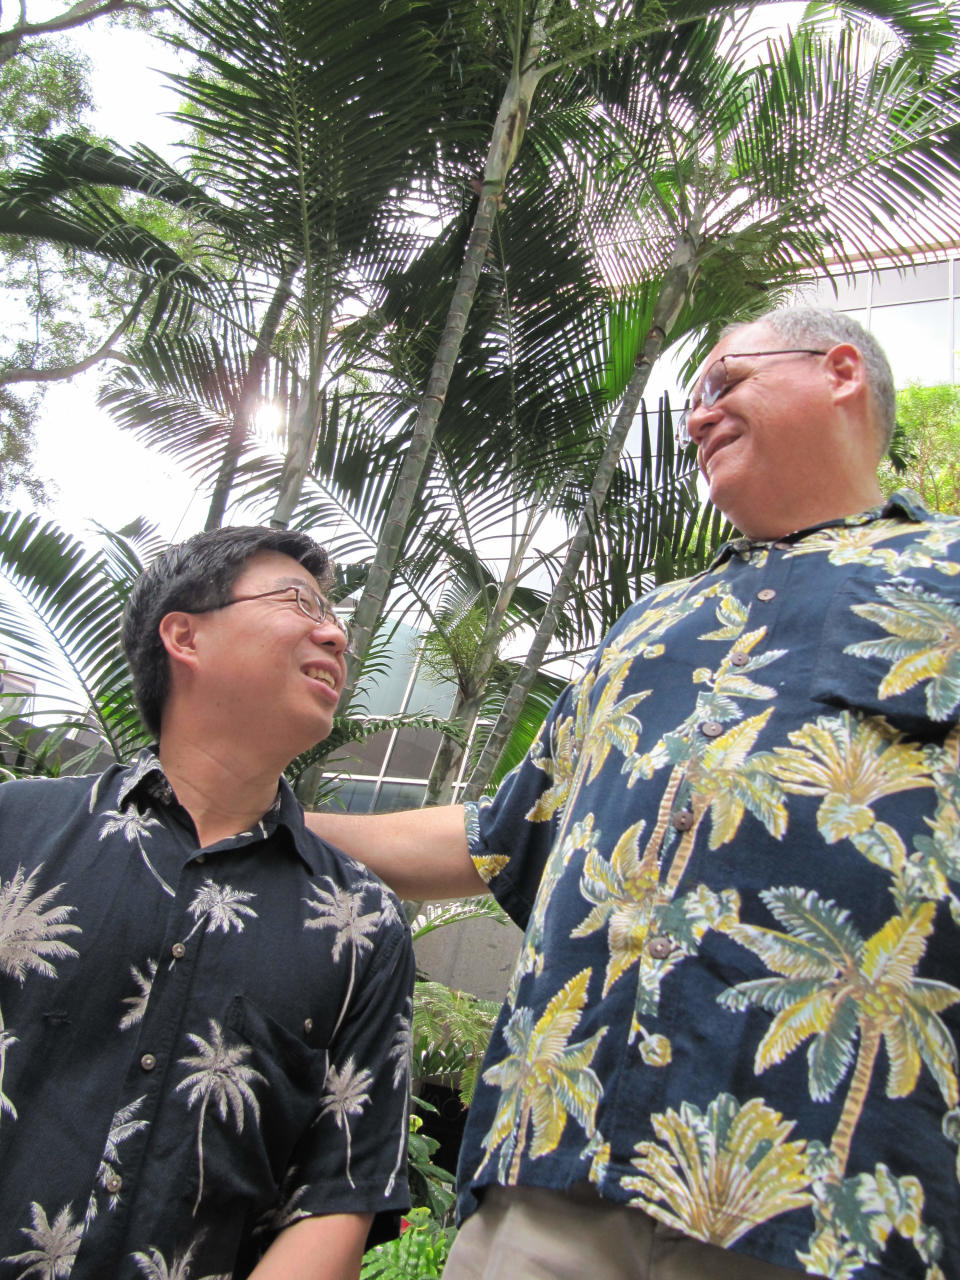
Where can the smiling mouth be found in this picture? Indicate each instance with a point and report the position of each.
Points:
(321, 676)
(713, 451)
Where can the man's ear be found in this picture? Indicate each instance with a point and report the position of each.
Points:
(846, 370)
(178, 634)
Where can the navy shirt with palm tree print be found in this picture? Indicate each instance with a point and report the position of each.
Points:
(197, 1047)
(735, 849)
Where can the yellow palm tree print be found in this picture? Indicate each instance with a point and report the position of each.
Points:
(838, 987)
(624, 892)
(725, 783)
(543, 1081)
(720, 1172)
(923, 644)
(852, 763)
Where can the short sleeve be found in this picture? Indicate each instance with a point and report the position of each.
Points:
(353, 1158)
(510, 835)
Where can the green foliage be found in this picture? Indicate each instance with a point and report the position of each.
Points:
(419, 1254)
(59, 623)
(46, 88)
(431, 1187)
(927, 446)
(451, 1030)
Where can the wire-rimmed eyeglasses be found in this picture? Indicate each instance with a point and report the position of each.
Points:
(717, 381)
(309, 602)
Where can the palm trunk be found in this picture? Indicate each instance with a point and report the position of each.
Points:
(651, 853)
(446, 763)
(240, 427)
(525, 1110)
(507, 137)
(856, 1096)
(306, 421)
(203, 1113)
(677, 283)
(467, 707)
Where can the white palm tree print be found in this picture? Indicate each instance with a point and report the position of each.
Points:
(221, 906)
(138, 1003)
(340, 909)
(135, 828)
(287, 1209)
(346, 1096)
(55, 1245)
(154, 1265)
(123, 1125)
(401, 1054)
(31, 929)
(220, 1075)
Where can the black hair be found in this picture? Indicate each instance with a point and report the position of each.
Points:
(194, 576)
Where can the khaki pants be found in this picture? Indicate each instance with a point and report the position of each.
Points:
(527, 1233)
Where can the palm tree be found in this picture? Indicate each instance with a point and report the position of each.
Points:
(923, 644)
(710, 213)
(623, 892)
(31, 933)
(837, 987)
(221, 907)
(123, 1126)
(340, 910)
(154, 1266)
(346, 1095)
(219, 1074)
(64, 632)
(544, 1080)
(56, 1244)
(717, 1173)
(138, 1003)
(851, 763)
(135, 827)
(401, 1055)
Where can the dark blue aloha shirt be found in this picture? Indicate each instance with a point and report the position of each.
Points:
(735, 850)
(196, 1048)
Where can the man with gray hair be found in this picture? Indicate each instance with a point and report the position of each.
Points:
(729, 1045)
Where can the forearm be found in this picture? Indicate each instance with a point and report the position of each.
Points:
(420, 853)
(328, 1248)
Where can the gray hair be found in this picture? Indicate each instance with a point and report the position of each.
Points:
(821, 327)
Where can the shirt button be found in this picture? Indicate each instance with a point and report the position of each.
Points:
(307, 1026)
(200, 858)
(148, 1062)
(683, 819)
(113, 1182)
(659, 948)
(178, 951)
(766, 593)
(739, 659)
(711, 728)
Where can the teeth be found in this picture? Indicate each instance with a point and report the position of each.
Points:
(323, 676)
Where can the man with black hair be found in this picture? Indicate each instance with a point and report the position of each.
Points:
(729, 1048)
(206, 1009)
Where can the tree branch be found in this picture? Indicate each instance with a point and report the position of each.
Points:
(59, 373)
(77, 15)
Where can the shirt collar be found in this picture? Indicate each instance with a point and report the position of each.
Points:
(144, 777)
(903, 504)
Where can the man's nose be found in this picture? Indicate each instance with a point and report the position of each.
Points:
(701, 419)
(330, 635)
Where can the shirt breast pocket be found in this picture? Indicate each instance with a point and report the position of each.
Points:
(891, 648)
(269, 1085)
